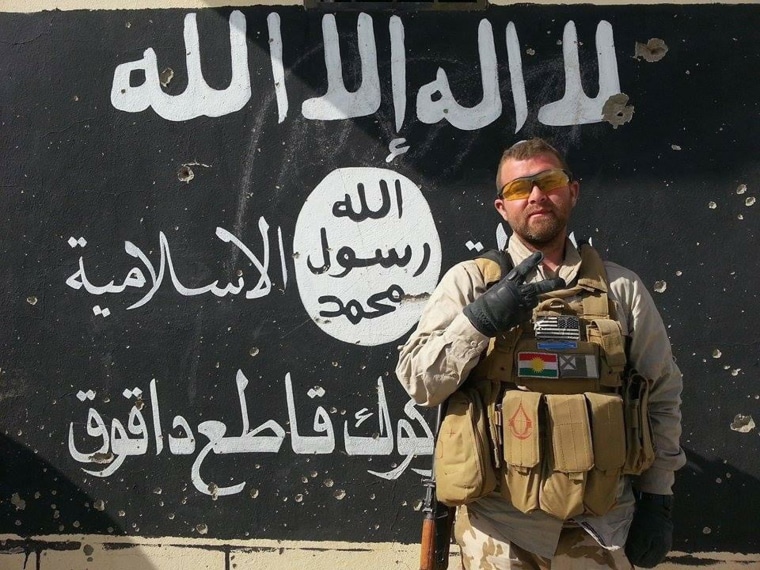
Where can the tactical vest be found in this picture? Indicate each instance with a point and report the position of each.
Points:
(551, 417)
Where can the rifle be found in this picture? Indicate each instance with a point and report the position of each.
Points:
(438, 520)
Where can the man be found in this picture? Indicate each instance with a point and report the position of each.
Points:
(511, 527)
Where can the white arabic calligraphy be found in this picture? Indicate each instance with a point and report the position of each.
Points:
(198, 99)
(136, 278)
(435, 101)
(113, 447)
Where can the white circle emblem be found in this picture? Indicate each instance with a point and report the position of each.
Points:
(367, 255)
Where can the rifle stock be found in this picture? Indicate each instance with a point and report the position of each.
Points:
(427, 543)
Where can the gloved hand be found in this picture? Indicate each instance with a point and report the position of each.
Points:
(508, 302)
(651, 534)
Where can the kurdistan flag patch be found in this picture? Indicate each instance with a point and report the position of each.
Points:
(537, 365)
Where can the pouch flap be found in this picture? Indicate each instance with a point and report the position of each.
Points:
(570, 432)
(608, 429)
(521, 429)
(608, 333)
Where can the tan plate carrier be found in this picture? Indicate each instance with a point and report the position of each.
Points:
(557, 444)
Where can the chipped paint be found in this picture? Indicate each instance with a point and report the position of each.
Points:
(654, 50)
(166, 76)
(18, 502)
(742, 423)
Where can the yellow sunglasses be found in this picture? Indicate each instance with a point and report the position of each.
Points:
(548, 180)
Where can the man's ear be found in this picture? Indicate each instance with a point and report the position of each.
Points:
(499, 205)
(575, 189)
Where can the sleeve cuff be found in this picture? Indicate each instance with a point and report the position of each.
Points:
(656, 481)
(465, 339)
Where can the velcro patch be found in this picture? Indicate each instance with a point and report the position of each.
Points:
(537, 365)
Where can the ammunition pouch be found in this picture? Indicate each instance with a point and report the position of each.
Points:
(463, 468)
(561, 453)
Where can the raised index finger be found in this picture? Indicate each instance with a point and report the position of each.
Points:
(521, 271)
(548, 285)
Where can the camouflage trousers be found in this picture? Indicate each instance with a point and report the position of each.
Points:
(576, 550)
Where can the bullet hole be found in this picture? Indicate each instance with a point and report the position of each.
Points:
(530, 51)
(328, 483)
(706, 530)
(88, 550)
(716, 353)
(253, 493)
(102, 458)
(741, 189)
(185, 174)
(254, 351)
(712, 205)
(18, 502)
(157, 491)
(660, 286)
(654, 50)
(298, 498)
(202, 528)
(339, 494)
(616, 110)
(166, 76)
(32, 300)
(99, 505)
(675, 147)
(750, 201)
(743, 424)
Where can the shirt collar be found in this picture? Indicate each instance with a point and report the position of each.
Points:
(568, 269)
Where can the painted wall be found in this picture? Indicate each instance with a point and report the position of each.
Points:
(219, 223)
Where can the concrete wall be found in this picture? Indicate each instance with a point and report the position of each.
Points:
(205, 275)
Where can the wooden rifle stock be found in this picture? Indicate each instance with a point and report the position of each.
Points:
(427, 543)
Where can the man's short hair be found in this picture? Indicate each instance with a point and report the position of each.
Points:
(531, 148)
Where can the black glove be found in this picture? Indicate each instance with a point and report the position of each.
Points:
(651, 534)
(508, 302)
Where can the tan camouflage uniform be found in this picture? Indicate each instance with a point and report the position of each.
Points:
(443, 350)
(484, 548)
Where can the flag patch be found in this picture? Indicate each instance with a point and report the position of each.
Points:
(537, 365)
(558, 328)
(578, 366)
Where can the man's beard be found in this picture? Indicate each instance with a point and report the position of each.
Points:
(542, 232)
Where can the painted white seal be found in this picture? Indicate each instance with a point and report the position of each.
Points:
(366, 254)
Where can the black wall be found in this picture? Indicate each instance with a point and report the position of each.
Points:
(661, 194)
